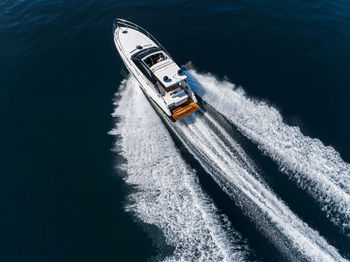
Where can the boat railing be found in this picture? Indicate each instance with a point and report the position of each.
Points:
(119, 22)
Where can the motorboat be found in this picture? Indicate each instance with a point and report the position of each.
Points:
(159, 77)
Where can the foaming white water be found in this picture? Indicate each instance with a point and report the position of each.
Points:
(315, 167)
(167, 192)
(223, 158)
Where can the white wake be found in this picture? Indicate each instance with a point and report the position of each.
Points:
(231, 168)
(315, 167)
(167, 192)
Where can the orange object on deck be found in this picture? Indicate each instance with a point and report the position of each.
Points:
(185, 110)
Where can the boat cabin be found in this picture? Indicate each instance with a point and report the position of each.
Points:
(159, 69)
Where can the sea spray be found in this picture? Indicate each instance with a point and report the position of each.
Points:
(223, 158)
(167, 193)
(315, 167)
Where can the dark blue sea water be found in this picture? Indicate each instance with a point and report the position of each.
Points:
(63, 195)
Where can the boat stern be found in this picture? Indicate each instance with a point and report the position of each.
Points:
(184, 110)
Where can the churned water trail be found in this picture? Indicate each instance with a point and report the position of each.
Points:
(316, 168)
(223, 158)
(167, 193)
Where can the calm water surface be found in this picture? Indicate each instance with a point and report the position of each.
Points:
(62, 199)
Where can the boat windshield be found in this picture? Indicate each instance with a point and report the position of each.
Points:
(154, 59)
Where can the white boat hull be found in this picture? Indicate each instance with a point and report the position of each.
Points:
(144, 84)
(172, 94)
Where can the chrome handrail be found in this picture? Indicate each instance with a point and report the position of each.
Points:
(122, 22)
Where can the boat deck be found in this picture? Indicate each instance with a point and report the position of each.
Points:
(185, 110)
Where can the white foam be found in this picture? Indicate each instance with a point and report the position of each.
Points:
(315, 167)
(167, 192)
(223, 158)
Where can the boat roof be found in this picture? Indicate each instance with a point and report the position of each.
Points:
(171, 70)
